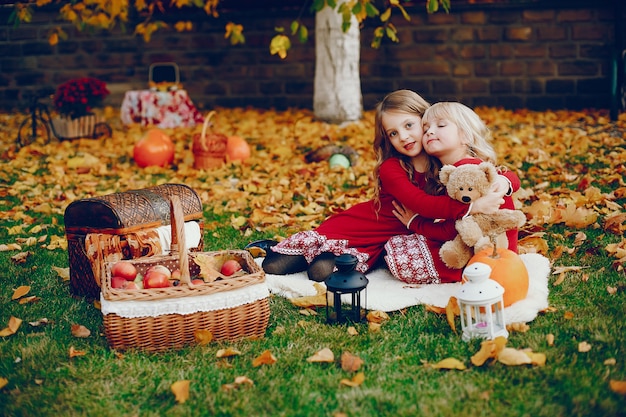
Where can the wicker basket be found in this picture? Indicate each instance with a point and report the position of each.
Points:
(231, 308)
(209, 148)
(125, 219)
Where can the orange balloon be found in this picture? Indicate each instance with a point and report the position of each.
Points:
(154, 149)
(237, 149)
(508, 270)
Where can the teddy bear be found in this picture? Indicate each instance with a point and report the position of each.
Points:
(466, 183)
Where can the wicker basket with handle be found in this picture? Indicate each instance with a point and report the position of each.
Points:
(158, 319)
(209, 148)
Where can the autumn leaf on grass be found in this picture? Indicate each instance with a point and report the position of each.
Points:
(8, 247)
(452, 310)
(511, 356)
(20, 258)
(202, 336)
(266, 358)
(352, 331)
(377, 316)
(180, 389)
(562, 270)
(350, 362)
(79, 330)
(20, 292)
(311, 301)
(63, 273)
(239, 381)
(3, 382)
(449, 363)
(356, 380)
(519, 327)
(228, 352)
(615, 223)
(209, 270)
(14, 324)
(74, 352)
(584, 347)
(618, 387)
(324, 355)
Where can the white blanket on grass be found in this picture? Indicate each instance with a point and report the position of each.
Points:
(386, 293)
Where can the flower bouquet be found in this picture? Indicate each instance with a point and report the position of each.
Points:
(75, 101)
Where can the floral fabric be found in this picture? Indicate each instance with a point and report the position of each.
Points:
(164, 109)
(410, 260)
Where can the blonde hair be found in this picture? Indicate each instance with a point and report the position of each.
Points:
(405, 101)
(470, 125)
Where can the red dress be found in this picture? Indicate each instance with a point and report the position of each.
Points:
(415, 258)
(362, 230)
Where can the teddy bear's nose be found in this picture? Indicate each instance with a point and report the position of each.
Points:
(466, 199)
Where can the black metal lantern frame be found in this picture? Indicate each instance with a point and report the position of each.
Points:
(345, 281)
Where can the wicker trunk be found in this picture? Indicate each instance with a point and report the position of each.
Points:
(121, 226)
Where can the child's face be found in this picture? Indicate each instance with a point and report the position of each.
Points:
(404, 131)
(442, 139)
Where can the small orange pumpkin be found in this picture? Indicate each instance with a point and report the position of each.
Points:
(154, 149)
(507, 269)
(237, 149)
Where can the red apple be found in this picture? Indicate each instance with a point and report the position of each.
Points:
(230, 267)
(197, 281)
(118, 282)
(175, 274)
(124, 269)
(162, 269)
(155, 279)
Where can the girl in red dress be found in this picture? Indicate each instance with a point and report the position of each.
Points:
(404, 174)
(455, 135)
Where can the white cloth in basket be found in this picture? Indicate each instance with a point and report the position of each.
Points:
(186, 305)
(192, 236)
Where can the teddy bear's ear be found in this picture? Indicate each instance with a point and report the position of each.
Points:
(489, 170)
(444, 173)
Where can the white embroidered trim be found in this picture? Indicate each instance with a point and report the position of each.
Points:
(185, 305)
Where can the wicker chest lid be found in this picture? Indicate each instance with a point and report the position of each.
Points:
(123, 212)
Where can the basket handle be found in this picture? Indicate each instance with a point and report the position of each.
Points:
(204, 129)
(178, 246)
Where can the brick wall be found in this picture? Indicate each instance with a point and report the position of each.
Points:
(498, 55)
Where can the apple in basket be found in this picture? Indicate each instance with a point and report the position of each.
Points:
(156, 278)
(230, 267)
(124, 269)
(119, 282)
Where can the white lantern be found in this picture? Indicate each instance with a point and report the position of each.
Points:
(481, 304)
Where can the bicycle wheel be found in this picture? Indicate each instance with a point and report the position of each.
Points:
(33, 130)
(102, 130)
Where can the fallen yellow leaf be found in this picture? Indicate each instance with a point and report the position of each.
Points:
(180, 389)
(20, 292)
(584, 347)
(202, 336)
(356, 380)
(3, 382)
(14, 325)
(618, 387)
(79, 330)
(350, 362)
(228, 352)
(74, 352)
(266, 358)
(513, 357)
(324, 355)
(377, 316)
(449, 363)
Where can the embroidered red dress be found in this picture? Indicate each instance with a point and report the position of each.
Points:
(362, 230)
(415, 258)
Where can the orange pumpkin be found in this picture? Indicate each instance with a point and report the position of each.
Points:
(507, 269)
(154, 149)
(237, 149)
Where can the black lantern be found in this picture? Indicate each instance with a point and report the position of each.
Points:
(345, 281)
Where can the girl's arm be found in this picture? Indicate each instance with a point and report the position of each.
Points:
(442, 231)
(395, 181)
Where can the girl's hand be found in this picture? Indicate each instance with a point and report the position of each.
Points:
(489, 203)
(403, 214)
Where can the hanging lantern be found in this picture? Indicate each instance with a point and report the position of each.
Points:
(345, 281)
(481, 304)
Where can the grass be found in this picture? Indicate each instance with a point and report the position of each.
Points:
(43, 380)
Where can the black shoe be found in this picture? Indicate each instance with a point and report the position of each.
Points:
(264, 244)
